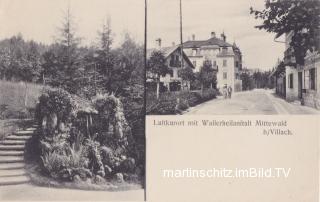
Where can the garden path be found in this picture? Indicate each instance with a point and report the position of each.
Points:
(12, 166)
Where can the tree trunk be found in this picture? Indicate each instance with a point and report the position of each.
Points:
(158, 89)
(202, 89)
(26, 95)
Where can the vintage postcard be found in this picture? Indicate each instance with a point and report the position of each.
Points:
(72, 100)
(160, 100)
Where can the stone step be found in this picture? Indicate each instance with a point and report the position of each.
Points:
(14, 180)
(13, 142)
(12, 147)
(11, 173)
(11, 159)
(24, 132)
(18, 137)
(11, 166)
(11, 153)
(31, 129)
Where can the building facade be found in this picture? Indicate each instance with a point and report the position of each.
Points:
(171, 81)
(311, 73)
(225, 58)
(299, 83)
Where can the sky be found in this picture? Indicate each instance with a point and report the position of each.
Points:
(201, 17)
(40, 19)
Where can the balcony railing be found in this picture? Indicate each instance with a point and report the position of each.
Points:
(175, 63)
(289, 58)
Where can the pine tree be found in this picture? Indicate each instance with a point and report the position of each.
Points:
(105, 58)
(69, 71)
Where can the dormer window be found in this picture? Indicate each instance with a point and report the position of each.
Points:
(194, 52)
(224, 50)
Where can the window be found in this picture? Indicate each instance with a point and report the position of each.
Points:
(224, 63)
(172, 60)
(290, 81)
(224, 50)
(194, 63)
(237, 63)
(306, 79)
(312, 74)
(225, 75)
(214, 63)
(170, 72)
(194, 52)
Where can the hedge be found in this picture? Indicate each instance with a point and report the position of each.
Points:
(176, 102)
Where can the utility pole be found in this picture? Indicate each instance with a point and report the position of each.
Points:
(181, 39)
(145, 35)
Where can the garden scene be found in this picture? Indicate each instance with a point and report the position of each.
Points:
(72, 114)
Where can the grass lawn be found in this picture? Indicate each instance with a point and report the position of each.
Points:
(17, 98)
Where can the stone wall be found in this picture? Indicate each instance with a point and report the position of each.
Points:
(312, 99)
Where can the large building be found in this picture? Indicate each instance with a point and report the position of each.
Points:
(225, 58)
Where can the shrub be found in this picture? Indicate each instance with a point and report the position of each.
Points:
(53, 163)
(81, 138)
(176, 102)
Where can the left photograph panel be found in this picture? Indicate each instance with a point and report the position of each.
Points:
(72, 100)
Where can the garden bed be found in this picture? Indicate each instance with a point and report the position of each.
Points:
(83, 143)
(38, 178)
(175, 102)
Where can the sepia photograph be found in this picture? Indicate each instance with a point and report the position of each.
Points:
(72, 112)
(240, 57)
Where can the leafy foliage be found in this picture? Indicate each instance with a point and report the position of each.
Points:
(157, 65)
(176, 102)
(207, 76)
(302, 17)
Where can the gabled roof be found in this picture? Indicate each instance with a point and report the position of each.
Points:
(167, 51)
(209, 42)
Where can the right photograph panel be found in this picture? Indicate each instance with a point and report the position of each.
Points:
(232, 57)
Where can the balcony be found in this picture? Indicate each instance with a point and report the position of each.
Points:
(175, 63)
(289, 58)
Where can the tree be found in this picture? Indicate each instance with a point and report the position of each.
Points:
(157, 67)
(128, 65)
(302, 17)
(32, 69)
(105, 58)
(187, 75)
(4, 62)
(247, 81)
(207, 76)
(69, 63)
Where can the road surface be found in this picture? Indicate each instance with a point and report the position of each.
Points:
(258, 101)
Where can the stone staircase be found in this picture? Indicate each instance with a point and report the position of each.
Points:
(12, 171)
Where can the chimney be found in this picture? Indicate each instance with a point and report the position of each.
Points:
(223, 36)
(193, 37)
(158, 43)
(213, 34)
